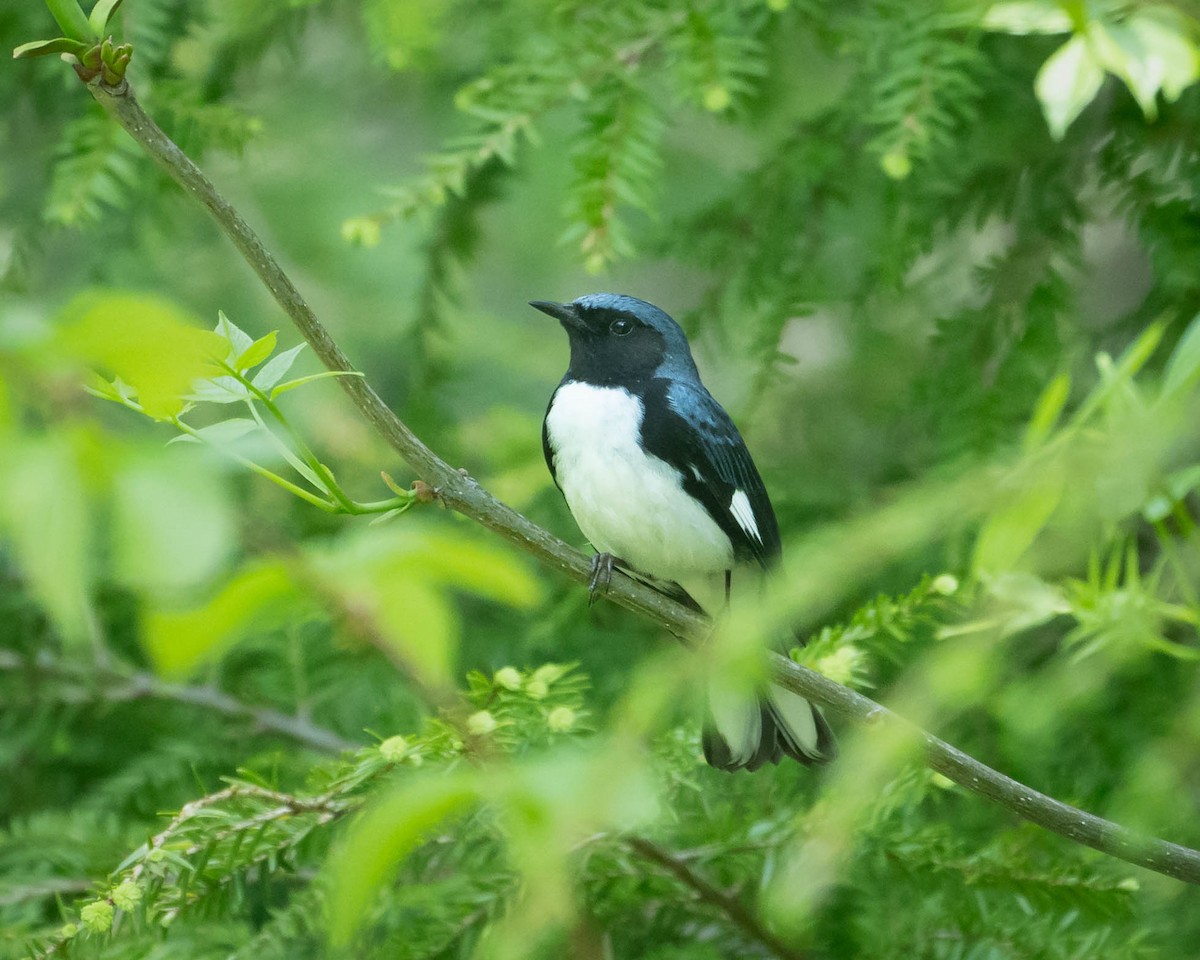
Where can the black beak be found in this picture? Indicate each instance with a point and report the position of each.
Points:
(564, 313)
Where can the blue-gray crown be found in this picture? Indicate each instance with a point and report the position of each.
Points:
(678, 355)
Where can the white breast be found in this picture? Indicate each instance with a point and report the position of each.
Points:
(626, 502)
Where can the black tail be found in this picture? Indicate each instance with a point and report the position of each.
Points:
(744, 733)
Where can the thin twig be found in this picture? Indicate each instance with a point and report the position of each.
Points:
(118, 686)
(738, 913)
(460, 492)
(53, 887)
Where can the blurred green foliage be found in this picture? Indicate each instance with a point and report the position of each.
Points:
(940, 261)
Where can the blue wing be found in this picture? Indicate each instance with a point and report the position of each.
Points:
(687, 428)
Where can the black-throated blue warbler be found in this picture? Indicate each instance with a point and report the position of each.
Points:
(660, 481)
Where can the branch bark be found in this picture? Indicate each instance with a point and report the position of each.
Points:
(114, 686)
(738, 913)
(457, 490)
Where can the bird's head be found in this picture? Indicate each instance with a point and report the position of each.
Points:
(620, 339)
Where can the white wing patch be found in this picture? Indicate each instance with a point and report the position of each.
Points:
(742, 512)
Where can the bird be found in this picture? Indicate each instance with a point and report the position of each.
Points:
(661, 483)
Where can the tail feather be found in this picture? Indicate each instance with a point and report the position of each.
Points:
(743, 733)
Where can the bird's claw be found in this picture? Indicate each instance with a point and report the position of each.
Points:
(601, 576)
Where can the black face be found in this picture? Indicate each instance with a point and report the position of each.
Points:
(607, 345)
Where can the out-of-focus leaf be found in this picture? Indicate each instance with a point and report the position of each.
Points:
(1178, 485)
(180, 640)
(257, 352)
(1151, 54)
(1184, 365)
(1010, 531)
(276, 367)
(1048, 410)
(415, 620)
(172, 524)
(1067, 83)
(44, 515)
(389, 830)
(479, 567)
(1167, 38)
(1022, 601)
(1027, 16)
(150, 343)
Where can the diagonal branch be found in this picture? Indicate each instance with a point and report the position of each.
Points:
(114, 686)
(460, 492)
(738, 913)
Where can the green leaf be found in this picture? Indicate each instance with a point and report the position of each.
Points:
(45, 517)
(148, 342)
(1011, 530)
(222, 389)
(101, 13)
(480, 568)
(1167, 38)
(238, 339)
(178, 641)
(1067, 82)
(44, 48)
(313, 378)
(219, 434)
(1048, 410)
(1184, 365)
(273, 372)
(1027, 16)
(71, 20)
(379, 840)
(1121, 51)
(257, 352)
(1150, 52)
(172, 522)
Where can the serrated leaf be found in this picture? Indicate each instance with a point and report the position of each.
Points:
(273, 372)
(257, 352)
(312, 378)
(220, 434)
(238, 339)
(44, 48)
(223, 389)
(101, 13)
(1067, 82)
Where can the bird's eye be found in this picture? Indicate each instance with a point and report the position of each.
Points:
(620, 327)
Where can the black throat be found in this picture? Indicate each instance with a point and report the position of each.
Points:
(607, 361)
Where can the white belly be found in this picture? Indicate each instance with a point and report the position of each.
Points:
(626, 502)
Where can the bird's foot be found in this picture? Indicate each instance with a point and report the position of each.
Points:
(601, 576)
